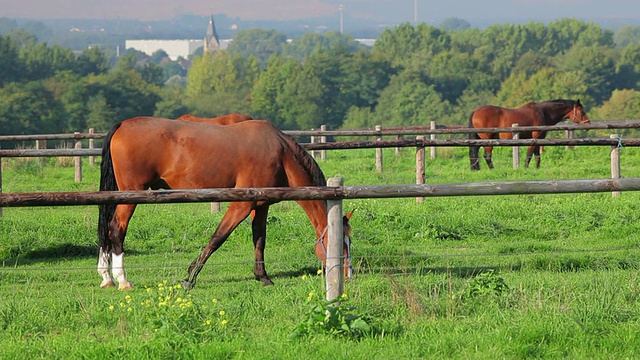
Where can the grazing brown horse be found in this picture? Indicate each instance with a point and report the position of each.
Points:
(220, 120)
(149, 152)
(530, 114)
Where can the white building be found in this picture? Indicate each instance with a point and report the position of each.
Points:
(173, 48)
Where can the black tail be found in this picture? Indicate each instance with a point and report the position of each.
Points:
(473, 150)
(107, 183)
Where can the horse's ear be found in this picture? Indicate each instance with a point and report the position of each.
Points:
(578, 102)
(348, 216)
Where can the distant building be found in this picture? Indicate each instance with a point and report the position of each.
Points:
(173, 48)
(211, 39)
(181, 48)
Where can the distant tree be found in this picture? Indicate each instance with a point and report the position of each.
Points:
(158, 56)
(598, 66)
(259, 43)
(11, 68)
(410, 101)
(7, 24)
(28, 108)
(91, 61)
(623, 105)
(627, 35)
(455, 24)
(267, 91)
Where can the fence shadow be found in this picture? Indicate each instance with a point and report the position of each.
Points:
(58, 252)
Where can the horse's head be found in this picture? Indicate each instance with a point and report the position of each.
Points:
(578, 115)
(321, 247)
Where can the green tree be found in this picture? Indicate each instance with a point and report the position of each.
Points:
(91, 61)
(11, 68)
(623, 105)
(410, 101)
(598, 66)
(258, 43)
(627, 35)
(268, 89)
(28, 108)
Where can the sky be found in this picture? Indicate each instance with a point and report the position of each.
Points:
(382, 10)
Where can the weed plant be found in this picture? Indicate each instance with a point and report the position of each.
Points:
(473, 277)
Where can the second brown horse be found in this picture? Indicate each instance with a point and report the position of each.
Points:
(530, 114)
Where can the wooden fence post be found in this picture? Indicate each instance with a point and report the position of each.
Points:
(615, 162)
(323, 139)
(379, 150)
(78, 160)
(516, 149)
(569, 135)
(420, 173)
(335, 245)
(92, 159)
(42, 144)
(432, 126)
(398, 149)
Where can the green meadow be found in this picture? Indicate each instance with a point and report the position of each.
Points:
(469, 277)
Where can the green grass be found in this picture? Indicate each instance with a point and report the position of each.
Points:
(482, 277)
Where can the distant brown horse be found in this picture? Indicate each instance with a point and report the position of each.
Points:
(149, 152)
(220, 120)
(530, 114)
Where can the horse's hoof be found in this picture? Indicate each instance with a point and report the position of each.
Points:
(106, 284)
(267, 282)
(187, 285)
(125, 286)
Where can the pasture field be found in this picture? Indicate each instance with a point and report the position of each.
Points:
(476, 277)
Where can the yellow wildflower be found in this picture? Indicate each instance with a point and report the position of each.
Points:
(319, 271)
(208, 322)
(111, 307)
(224, 322)
(221, 313)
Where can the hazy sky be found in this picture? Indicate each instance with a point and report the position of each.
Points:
(384, 10)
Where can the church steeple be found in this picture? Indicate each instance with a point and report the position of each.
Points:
(211, 40)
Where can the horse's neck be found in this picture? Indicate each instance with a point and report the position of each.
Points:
(316, 211)
(554, 114)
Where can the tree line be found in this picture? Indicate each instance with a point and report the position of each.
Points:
(412, 75)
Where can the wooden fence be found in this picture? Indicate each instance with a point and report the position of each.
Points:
(334, 194)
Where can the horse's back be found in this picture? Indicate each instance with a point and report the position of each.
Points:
(495, 116)
(220, 120)
(196, 155)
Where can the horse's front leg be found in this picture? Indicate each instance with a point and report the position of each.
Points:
(259, 230)
(235, 214)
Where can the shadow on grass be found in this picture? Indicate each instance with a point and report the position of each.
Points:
(58, 252)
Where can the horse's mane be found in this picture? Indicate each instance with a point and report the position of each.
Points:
(307, 162)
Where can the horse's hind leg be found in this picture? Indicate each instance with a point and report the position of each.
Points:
(530, 152)
(473, 157)
(117, 231)
(487, 156)
(536, 153)
(259, 229)
(235, 214)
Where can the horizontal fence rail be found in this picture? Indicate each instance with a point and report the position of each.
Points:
(410, 130)
(366, 145)
(317, 193)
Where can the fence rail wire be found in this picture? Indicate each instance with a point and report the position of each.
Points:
(354, 257)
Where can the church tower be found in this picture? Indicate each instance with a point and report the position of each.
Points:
(211, 40)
